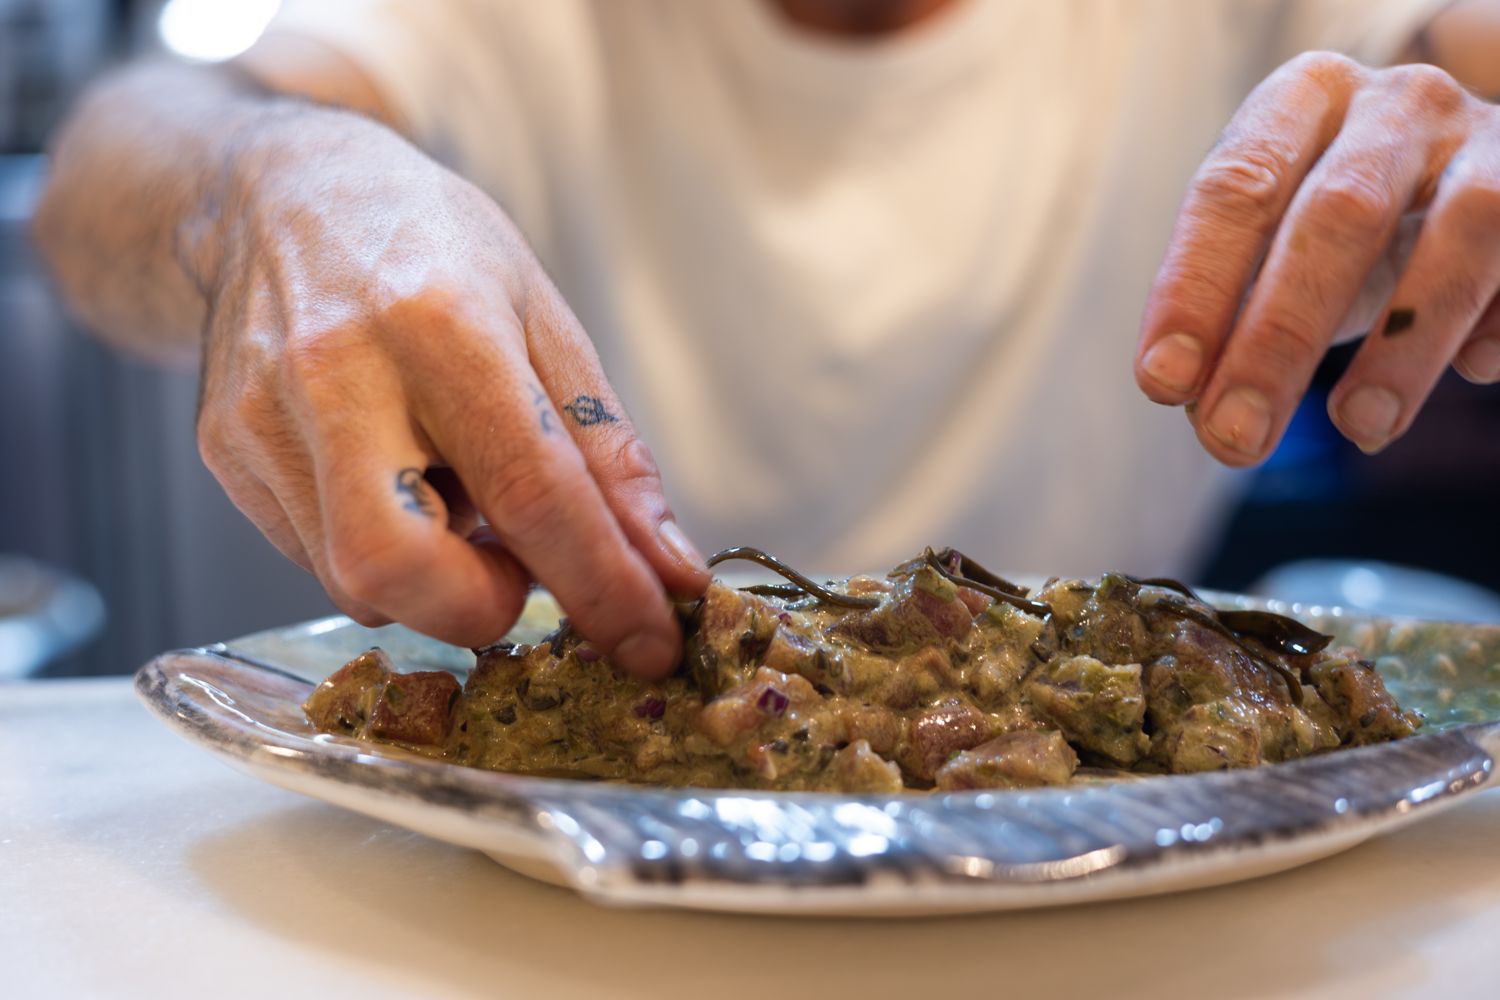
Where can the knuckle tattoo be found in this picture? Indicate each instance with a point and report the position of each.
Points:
(589, 411)
(415, 494)
(545, 415)
(1400, 320)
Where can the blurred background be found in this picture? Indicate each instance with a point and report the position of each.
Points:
(115, 542)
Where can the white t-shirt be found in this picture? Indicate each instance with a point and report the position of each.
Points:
(864, 296)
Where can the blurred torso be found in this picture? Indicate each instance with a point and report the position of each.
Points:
(866, 295)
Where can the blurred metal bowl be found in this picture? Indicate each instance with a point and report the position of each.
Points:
(1378, 588)
(44, 613)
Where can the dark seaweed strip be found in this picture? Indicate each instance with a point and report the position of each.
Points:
(1276, 631)
(1266, 627)
(789, 591)
(1038, 608)
(770, 562)
(971, 570)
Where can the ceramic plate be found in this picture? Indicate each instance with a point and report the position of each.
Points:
(865, 855)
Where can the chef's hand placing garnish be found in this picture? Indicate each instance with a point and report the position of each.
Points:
(383, 360)
(394, 321)
(1300, 205)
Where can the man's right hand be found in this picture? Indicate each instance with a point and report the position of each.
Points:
(376, 321)
(385, 362)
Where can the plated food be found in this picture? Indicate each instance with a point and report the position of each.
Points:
(939, 675)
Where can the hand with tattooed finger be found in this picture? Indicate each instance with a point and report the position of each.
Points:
(386, 362)
(1298, 206)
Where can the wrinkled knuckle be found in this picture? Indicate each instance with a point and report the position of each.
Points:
(1323, 66)
(1200, 283)
(527, 502)
(368, 570)
(1425, 86)
(1286, 343)
(1351, 208)
(1246, 182)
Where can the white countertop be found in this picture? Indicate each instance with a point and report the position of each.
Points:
(132, 864)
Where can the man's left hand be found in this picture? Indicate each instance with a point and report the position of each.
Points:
(1297, 205)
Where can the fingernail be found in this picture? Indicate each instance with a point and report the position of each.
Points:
(645, 654)
(1174, 362)
(673, 538)
(1369, 416)
(1241, 420)
(1480, 361)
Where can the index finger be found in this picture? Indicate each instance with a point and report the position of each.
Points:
(618, 460)
(484, 407)
(1231, 210)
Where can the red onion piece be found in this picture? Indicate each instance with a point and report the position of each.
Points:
(651, 708)
(772, 702)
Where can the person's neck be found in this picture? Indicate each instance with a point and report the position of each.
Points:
(859, 18)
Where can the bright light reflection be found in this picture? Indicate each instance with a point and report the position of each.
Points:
(864, 845)
(973, 867)
(761, 851)
(213, 30)
(856, 816)
(1426, 792)
(326, 625)
(819, 850)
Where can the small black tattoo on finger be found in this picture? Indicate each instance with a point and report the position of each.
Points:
(543, 409)
(1399, 321)
(413, 489)
(587, 411)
